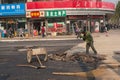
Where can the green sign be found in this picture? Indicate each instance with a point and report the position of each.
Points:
(55, 13)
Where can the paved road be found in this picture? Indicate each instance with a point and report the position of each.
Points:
(10, 58)
(105, 45)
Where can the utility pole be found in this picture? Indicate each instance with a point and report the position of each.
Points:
(88, 22)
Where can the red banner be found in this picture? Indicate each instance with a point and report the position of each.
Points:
(70, 4)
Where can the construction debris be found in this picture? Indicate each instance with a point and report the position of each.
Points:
(76, 57)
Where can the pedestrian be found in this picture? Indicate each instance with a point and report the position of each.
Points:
(106, 32)
(89, 42)
(21, 33)
(79, 33)
(43, 31)
(77, 30)
(5, 33)
(10, 32)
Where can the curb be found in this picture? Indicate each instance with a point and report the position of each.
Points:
(45, 39)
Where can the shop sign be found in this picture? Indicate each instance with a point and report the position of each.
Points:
(12, 9)
(35, 14)
(55, 13)
(89, 4)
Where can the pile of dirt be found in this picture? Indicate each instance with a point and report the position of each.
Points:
(81, 57)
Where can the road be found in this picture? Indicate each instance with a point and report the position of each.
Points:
(13, 53)
(11, 56)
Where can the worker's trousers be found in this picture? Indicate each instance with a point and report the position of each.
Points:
(88, 45)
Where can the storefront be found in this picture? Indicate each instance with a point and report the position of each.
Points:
(63, 14)
(86, 22)
(12, 16)
(35, 20)
(56, 21)
(53, 20)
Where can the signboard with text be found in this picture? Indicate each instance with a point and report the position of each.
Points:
(12, 9)
(55, 13)
(70, 4)
(34, 14)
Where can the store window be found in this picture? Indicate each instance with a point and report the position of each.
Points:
(56, 25)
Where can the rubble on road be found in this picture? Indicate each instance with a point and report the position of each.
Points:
(82, 57)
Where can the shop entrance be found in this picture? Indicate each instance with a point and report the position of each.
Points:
(81, 24)
(37, 24)
(8, 27)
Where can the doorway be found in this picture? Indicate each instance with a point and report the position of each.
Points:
(37, 24)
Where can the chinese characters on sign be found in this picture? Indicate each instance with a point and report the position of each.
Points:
(55, 13)
(12, 9)
(48, 13)
(34, 14)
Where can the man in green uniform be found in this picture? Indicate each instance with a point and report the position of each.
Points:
(89, 42)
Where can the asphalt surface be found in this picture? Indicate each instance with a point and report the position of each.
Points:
(13, 53)
(11, 56)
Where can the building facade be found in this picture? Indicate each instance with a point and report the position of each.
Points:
(12, 16)
(60, 16)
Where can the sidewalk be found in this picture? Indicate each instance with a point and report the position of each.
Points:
(106, 45)
(39, 38)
